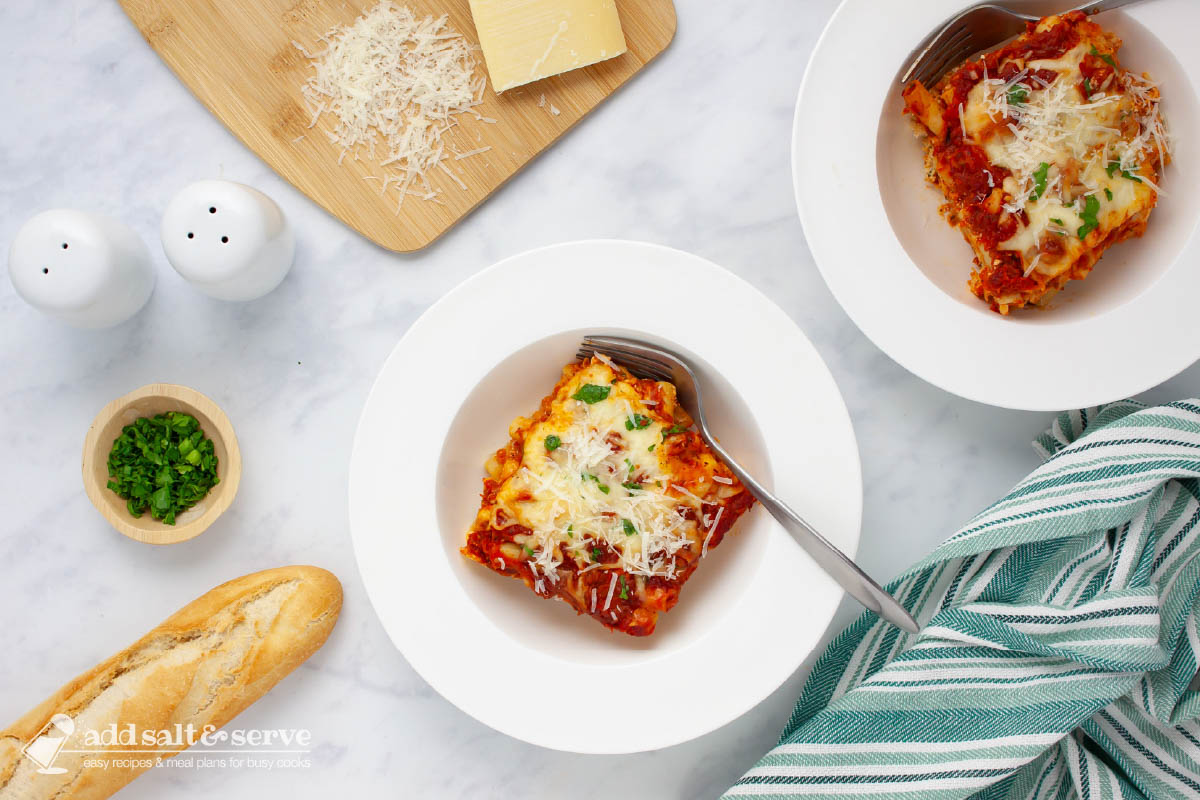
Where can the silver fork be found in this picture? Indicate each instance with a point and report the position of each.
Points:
(977, 28)
(645, 360)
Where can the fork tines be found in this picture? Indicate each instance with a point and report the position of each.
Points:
(970, 31)
(953, 48)
(640, 361)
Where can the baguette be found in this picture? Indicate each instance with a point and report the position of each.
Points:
(203, 665)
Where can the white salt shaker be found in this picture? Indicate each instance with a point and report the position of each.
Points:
(88, 270)
(228, 240)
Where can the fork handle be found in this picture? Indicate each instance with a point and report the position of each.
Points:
(833, 561)
(1097, 6)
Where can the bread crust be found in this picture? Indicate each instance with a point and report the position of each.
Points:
(203, 665)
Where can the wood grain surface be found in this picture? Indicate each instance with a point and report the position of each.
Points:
(238, 58)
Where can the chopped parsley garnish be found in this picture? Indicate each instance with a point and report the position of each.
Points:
(602, 487)
(591, 393)
(162, 464)
(1057, 221)
(1115, 166)
(553, 443)
(1039, 181)
(650, 449)
(631, 466)
(596, 554)
(1017, 95)
(1091, 205)
(1108, 193)
(527, 549)
(624, 589)
(674, 429)
(1105, 57)
(570, 529)
(627, 526)
(632, 486)
(1087, 88)
(637, 422)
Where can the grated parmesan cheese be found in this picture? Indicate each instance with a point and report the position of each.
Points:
(711, 531)
(584, 490)
(611, 586)
(1059, 145)
(393, 83)
(1054, 125)
(1033, 264)
(605, 359)
(469, 153)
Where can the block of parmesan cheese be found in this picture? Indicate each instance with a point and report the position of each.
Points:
(527, 40)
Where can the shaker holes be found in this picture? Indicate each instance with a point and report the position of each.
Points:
(224, 240)
(45, 270)
(212, 209)
(191, 235)
(64, 245)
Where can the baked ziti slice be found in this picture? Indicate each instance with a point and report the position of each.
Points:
(605, 499)
(1047, 151)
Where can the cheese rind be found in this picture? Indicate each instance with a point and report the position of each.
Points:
(527, 40)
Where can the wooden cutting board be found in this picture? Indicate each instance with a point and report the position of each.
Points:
(238, 58)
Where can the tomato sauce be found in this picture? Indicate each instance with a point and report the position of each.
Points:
(1007, 277)
(968, 167)
(1051, 43)
(1098, 75)
(991, 228)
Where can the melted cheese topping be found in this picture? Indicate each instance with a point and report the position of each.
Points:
(605, 482)
(1061, 149)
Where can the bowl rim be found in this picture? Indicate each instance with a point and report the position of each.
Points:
(222, 494)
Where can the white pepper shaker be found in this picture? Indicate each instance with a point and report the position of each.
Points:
(228, 240)
(86, 269)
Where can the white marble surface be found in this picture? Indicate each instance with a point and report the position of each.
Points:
(693, 154)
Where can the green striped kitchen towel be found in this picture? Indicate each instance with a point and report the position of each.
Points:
(1059, 644)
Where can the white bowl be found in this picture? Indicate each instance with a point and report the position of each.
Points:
(514, 387)
(488, 352)
(900, 271)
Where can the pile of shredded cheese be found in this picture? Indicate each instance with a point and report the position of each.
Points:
(574, 499)
(1053, 121)
(1145, 91)
(603, 482)
(394, 84)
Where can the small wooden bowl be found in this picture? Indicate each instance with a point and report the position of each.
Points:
(159, 398)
